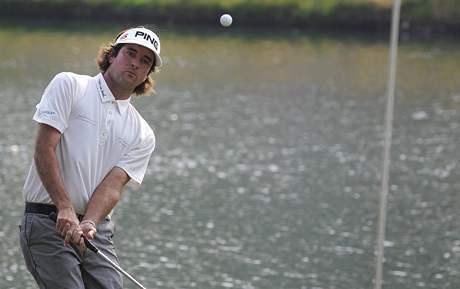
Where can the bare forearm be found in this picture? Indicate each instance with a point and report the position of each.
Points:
(48, 170)
(106, 195)
(101, 203)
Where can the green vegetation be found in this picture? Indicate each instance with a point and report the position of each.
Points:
(355, 14)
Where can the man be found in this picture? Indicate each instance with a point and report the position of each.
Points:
(90, 143)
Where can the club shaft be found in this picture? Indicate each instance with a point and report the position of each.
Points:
(119, 269)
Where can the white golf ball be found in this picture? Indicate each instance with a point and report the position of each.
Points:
(226, 20)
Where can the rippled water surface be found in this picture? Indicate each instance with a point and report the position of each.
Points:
(267, 167)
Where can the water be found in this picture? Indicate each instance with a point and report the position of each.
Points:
(267, 167)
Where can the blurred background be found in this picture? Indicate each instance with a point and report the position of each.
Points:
(269, 135)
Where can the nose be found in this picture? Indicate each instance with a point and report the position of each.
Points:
(135, 63)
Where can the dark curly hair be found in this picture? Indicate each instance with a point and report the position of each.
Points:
(111, 49)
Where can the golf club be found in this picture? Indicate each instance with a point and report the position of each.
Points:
(93, 248)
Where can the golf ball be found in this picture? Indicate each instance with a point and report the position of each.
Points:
(226, 20)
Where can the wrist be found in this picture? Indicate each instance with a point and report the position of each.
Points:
(88, 221)
(64, 207)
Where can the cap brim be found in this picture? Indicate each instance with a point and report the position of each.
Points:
(158, 61)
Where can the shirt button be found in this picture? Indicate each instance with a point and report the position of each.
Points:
(110, 112)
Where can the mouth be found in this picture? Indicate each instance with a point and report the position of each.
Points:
(131, 74)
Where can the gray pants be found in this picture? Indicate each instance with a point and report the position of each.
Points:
(55, 266)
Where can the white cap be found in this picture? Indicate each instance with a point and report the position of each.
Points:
(144, 37)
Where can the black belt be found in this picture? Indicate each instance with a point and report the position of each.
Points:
(43, 209)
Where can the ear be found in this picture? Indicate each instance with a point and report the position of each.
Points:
(112, 55)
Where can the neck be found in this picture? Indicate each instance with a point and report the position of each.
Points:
(120, 93)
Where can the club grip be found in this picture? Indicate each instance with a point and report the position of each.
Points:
(88, 243)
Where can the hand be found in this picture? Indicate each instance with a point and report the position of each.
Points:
(68, 227)
(88, 228)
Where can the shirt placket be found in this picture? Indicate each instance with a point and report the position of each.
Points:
(107, 123)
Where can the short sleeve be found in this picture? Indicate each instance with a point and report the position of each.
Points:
(56, 103)
(135, 162)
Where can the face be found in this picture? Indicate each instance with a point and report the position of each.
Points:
(131, 66)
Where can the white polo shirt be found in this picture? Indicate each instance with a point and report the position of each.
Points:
(98, 133)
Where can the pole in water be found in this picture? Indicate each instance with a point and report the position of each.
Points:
(387, 143)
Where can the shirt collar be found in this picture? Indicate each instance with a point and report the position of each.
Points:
(107, 96)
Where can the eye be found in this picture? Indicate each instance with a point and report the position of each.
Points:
(146, 61)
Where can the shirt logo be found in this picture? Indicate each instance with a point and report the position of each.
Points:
(48, 112)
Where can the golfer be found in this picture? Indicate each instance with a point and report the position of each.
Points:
(90, 143)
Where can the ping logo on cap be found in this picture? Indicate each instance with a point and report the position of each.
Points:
(147, 37)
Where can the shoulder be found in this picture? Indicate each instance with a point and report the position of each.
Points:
(71, 78)
(70, 81)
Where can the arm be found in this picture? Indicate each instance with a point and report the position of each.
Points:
(48, 170)
(104, 199)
